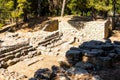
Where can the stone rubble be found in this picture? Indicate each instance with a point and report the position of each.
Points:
(7, 75)
(95, 53)
(58, 73)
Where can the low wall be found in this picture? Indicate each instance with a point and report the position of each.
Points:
(90, 30)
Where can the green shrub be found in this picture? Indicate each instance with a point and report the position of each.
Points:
(1, 25)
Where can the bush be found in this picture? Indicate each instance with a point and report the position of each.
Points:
(1, 25)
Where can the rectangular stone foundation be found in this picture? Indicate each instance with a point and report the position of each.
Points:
(90, 30)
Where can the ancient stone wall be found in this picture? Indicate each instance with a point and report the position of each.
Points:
(90, 30)
(12, 54)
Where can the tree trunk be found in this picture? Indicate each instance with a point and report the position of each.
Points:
(113, 18)
(25, 19)
(39, 8)
(63, 7)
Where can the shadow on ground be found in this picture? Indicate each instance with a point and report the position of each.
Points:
(92, 60)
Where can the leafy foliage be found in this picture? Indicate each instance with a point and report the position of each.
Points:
(15, 9)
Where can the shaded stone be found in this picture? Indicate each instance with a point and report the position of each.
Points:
(64, 64)
(75, 48)
(91, 54)
(84, 65)
(105, 62)
(73, 55)
(112, 55)
(32, 79)
(107, 47)
(96, 77)
(42, 74)
(117, 42)
(76, 71)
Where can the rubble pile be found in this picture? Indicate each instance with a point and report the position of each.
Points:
(7, 75)
(58, 73)
(94, 54)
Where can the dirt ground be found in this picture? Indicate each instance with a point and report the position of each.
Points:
(45, 61)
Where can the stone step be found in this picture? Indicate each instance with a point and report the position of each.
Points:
(51, 42)
(15, 51)
(12, 48)
(47, 40)
(57, 44)
(7, 58)
(11, 55)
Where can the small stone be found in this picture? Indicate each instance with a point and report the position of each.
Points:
(73, 55)
(74, 48)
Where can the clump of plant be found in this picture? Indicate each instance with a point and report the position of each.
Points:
(1, 25)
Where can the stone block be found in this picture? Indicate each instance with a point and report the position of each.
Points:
(84, 65)
(105, 62)
(74, 55)
(107, 47)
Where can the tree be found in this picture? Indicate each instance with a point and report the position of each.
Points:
(63, 7)
(78, 6)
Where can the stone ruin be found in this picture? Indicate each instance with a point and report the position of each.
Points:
(83, 62)
(90, 55)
